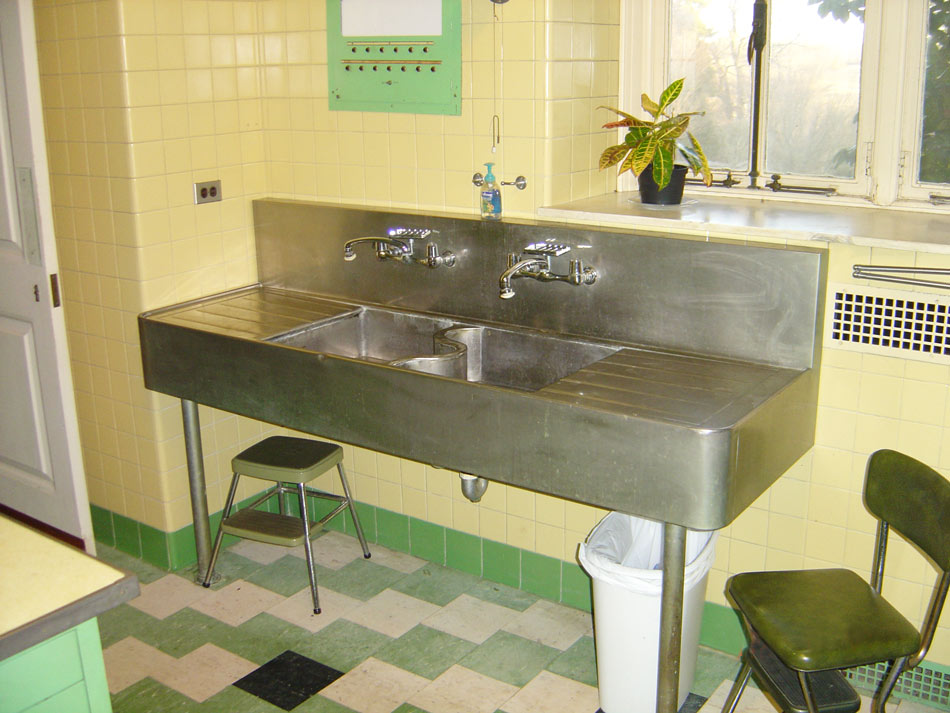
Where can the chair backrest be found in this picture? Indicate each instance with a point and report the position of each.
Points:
(913, 499)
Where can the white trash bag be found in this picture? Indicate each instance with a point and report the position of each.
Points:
(624, 557)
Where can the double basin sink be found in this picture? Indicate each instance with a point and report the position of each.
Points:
(513, 358)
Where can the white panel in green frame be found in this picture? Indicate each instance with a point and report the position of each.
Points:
(414, 68)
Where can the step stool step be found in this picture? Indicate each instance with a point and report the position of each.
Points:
(268, 527)
(833, 693)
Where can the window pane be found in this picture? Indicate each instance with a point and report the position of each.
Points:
(935, 138)
(814, 84)
(708, 49)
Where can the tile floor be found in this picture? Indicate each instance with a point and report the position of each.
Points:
(397, 635)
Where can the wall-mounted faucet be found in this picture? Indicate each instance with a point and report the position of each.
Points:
(538, 266)
(399, 244)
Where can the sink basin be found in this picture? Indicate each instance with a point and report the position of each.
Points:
(368, 333)
(522, 359)
(519, 359)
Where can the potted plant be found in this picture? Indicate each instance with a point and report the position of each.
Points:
(653, 143)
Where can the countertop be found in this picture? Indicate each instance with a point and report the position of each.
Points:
(47, 587)
(712, 216)
(691, 390)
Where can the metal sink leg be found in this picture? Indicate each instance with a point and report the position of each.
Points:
(671, 617)
(196, 485)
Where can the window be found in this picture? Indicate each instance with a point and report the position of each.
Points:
(845, 96)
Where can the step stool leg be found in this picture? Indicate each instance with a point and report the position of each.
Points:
(305, 516)
(352, 506)
(217, 540)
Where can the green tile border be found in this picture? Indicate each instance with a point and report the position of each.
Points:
(463, 551)
(427, 540)
(722, 629)
(501, 563)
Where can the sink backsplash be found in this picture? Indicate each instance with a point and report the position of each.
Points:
(748, 302)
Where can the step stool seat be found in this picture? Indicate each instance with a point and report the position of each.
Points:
(286, 459)
(291, 463)
(269, 527)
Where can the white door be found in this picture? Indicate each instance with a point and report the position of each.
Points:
(40, 469)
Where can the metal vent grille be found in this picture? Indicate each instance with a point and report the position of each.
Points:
(921, 684)
(908, 324)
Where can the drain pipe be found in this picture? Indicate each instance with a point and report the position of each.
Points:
(473, 487)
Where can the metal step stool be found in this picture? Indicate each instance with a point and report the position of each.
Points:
(291, 463)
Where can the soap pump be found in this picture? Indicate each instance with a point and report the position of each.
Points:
(491, 196)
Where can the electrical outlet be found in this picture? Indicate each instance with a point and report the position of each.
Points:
(207, 191)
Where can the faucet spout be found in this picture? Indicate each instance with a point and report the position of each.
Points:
(519, 268)
(385, 247)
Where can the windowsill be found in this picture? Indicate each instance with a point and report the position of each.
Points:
(714, 216)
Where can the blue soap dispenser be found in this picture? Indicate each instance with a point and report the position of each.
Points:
(491, 196)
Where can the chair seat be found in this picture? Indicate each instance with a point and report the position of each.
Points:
(817, 619)
(286, 459)
(269, 527)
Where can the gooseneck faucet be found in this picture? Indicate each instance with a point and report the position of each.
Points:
(385, 248)
(538, 267)
(520, 268)
(398, 245)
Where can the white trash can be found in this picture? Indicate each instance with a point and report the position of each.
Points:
(624, 557)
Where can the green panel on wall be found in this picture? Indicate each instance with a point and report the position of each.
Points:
(406, 73)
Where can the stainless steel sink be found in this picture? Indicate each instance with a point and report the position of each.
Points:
(513, 358)
(368, 333)
(522, 359)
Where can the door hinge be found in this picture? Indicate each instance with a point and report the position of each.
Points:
(54, 289)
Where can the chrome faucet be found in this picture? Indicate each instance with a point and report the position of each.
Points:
(390, 248)
(399, 245)
(538, 266)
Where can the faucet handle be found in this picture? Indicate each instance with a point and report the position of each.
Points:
(433, 259)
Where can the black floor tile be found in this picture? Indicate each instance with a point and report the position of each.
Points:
(288, 680)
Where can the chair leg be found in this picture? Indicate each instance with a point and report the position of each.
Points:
(738, 685)
(352, 506)
(887, 685)
(807, 692)
(305, 516)
(217, 540)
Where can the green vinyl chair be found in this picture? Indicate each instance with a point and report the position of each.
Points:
(804, 626)
(291, 463)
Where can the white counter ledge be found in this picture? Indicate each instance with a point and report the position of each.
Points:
(47, 587)
(717, 216)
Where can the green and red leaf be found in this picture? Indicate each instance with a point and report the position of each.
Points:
(669, 95)
(612, 155)
(642, 155)
(635, 135)
(663, 166)
(649, 106)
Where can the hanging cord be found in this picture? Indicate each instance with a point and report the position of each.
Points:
(495, 71)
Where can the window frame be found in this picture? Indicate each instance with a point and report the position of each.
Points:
(893, 63)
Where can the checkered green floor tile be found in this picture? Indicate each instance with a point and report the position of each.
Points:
(419, 639)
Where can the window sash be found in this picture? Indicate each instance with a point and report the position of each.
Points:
(892, 67)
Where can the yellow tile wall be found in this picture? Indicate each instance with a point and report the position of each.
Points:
(144, 97)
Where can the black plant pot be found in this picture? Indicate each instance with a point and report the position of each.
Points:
(671, 195)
